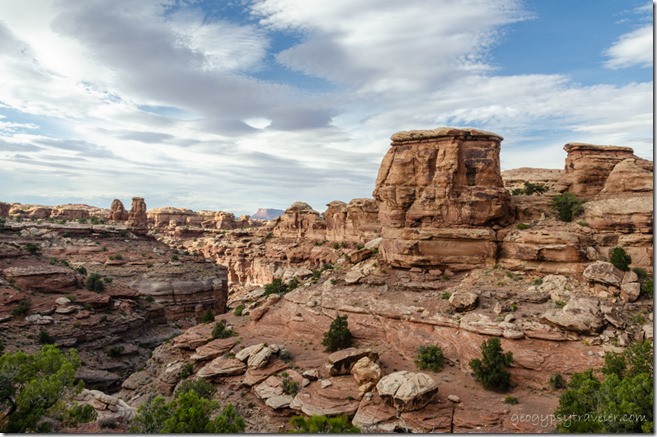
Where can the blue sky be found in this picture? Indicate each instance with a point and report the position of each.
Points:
(241, 104)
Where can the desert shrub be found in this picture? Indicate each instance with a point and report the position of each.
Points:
(557, 382)
(292, 284)
(517, 191)
(490, 370)
(220, 330)
(108, 280)
(116, 257)
(620, 259)
(115, 351)
(625, 397)
(560, 303)
(338, 336)
(640, 273)
(186, 413)
(522, 226)
(290, 387)
(327, 266)
(81, 270)
(174, 257)
(446, 295)
(647, 288)
(534, 188)
(202, 387)
(31, 248)
(34, 387)
(22, 307)
(95, 220)
(149, 299)
(45, 338)
(512, 400)
(275, 287)
(108, 422)
(285, 355)
(2, 224)
(208, 316)
(336, 245)
(537, 281)
(2, 347)
(568, 206)
(78, 414)
(322, 425)
(430, 358)
(316, 274)
(95, 283)
(187, 371)
(239, 310)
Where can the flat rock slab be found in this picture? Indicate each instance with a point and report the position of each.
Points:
(194, 337)
(222, 367)
(256, 376)
(278, 402)
(340, 398)
(342, 361)
(213, 349)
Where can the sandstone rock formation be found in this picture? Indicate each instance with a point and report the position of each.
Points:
(4, 209)
(516, 178)
(439, 191)
(137, 218)
(118, 212)
(407, 391)
(169, 217)
(300, 220)
(267, 214)
(588, 166)
(356, 221)
(71, 212)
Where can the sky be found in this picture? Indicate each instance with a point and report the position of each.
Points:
(240, 104)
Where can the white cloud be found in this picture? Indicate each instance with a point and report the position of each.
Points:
(633, 49)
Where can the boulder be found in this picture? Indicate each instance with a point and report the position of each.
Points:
(258, 360)
(246, 353)
(604, 273)
(366, 373)
(342, 361)
(340, 398)
(581, 315)
(222, 367)
(407, 391)
(213, 349)
(463, 301)
(630, 291)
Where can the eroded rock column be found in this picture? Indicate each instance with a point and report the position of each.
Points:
(440, 192)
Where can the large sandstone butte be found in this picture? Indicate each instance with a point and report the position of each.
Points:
(439, 193)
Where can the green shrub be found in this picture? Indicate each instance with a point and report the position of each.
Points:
(275, 287)
(95, 283)
(316, 274)
(517, 191)
(560, 303)
(78, 414)
(338, 336)
(430, 358)
(292, 284)
(202, 387)
(537, 281)
(557, 382)
(512, 400)
(490, 371)
(220, 330)
(22, 307)
(31, 248)
(647, 288)
(187, 371)
(625, 398)
(108, 422)
(289, 386)
(208, 316)
(640, 273)
(174, 257)
(95, 220)
(149, 299)
(33, 387)
(446, 295)
(567, 206)
(186, 413)
(620, 259)
(81, 270)
(45, 338)
(336, 245)
(534, 188)
(115, 351)
(2, 347)
(322, 425)
(239, 310)
(522, 226)
(285, 355)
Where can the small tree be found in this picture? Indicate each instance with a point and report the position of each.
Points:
(567, 206)
(534, 188)
(430, 358)
(620, 259)
(34, 386)
(277, 286)
(208, 316)
(95, 283)
(220, 330)
(323, 425)
(338, 336)
(490, 371)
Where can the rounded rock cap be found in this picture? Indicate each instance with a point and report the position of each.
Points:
(441, 132)
(570, 147)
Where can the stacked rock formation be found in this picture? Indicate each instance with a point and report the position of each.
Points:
(439, 193)
(117, 211)
(300, 220)
(137, 218)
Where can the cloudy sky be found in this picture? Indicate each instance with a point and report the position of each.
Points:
(241, 104)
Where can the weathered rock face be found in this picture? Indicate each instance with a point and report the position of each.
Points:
(71, 212)
(51, 279)
(117, 211)
(356, 221)
(169, 216)
(632, 175)
(299, 221)
(517, 177)
(4, 209)
(588, 166)
(433, 187)
(137, 218)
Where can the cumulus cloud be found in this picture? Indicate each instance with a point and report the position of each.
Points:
(633, 49)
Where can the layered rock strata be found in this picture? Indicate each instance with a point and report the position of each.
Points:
(439, 193)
